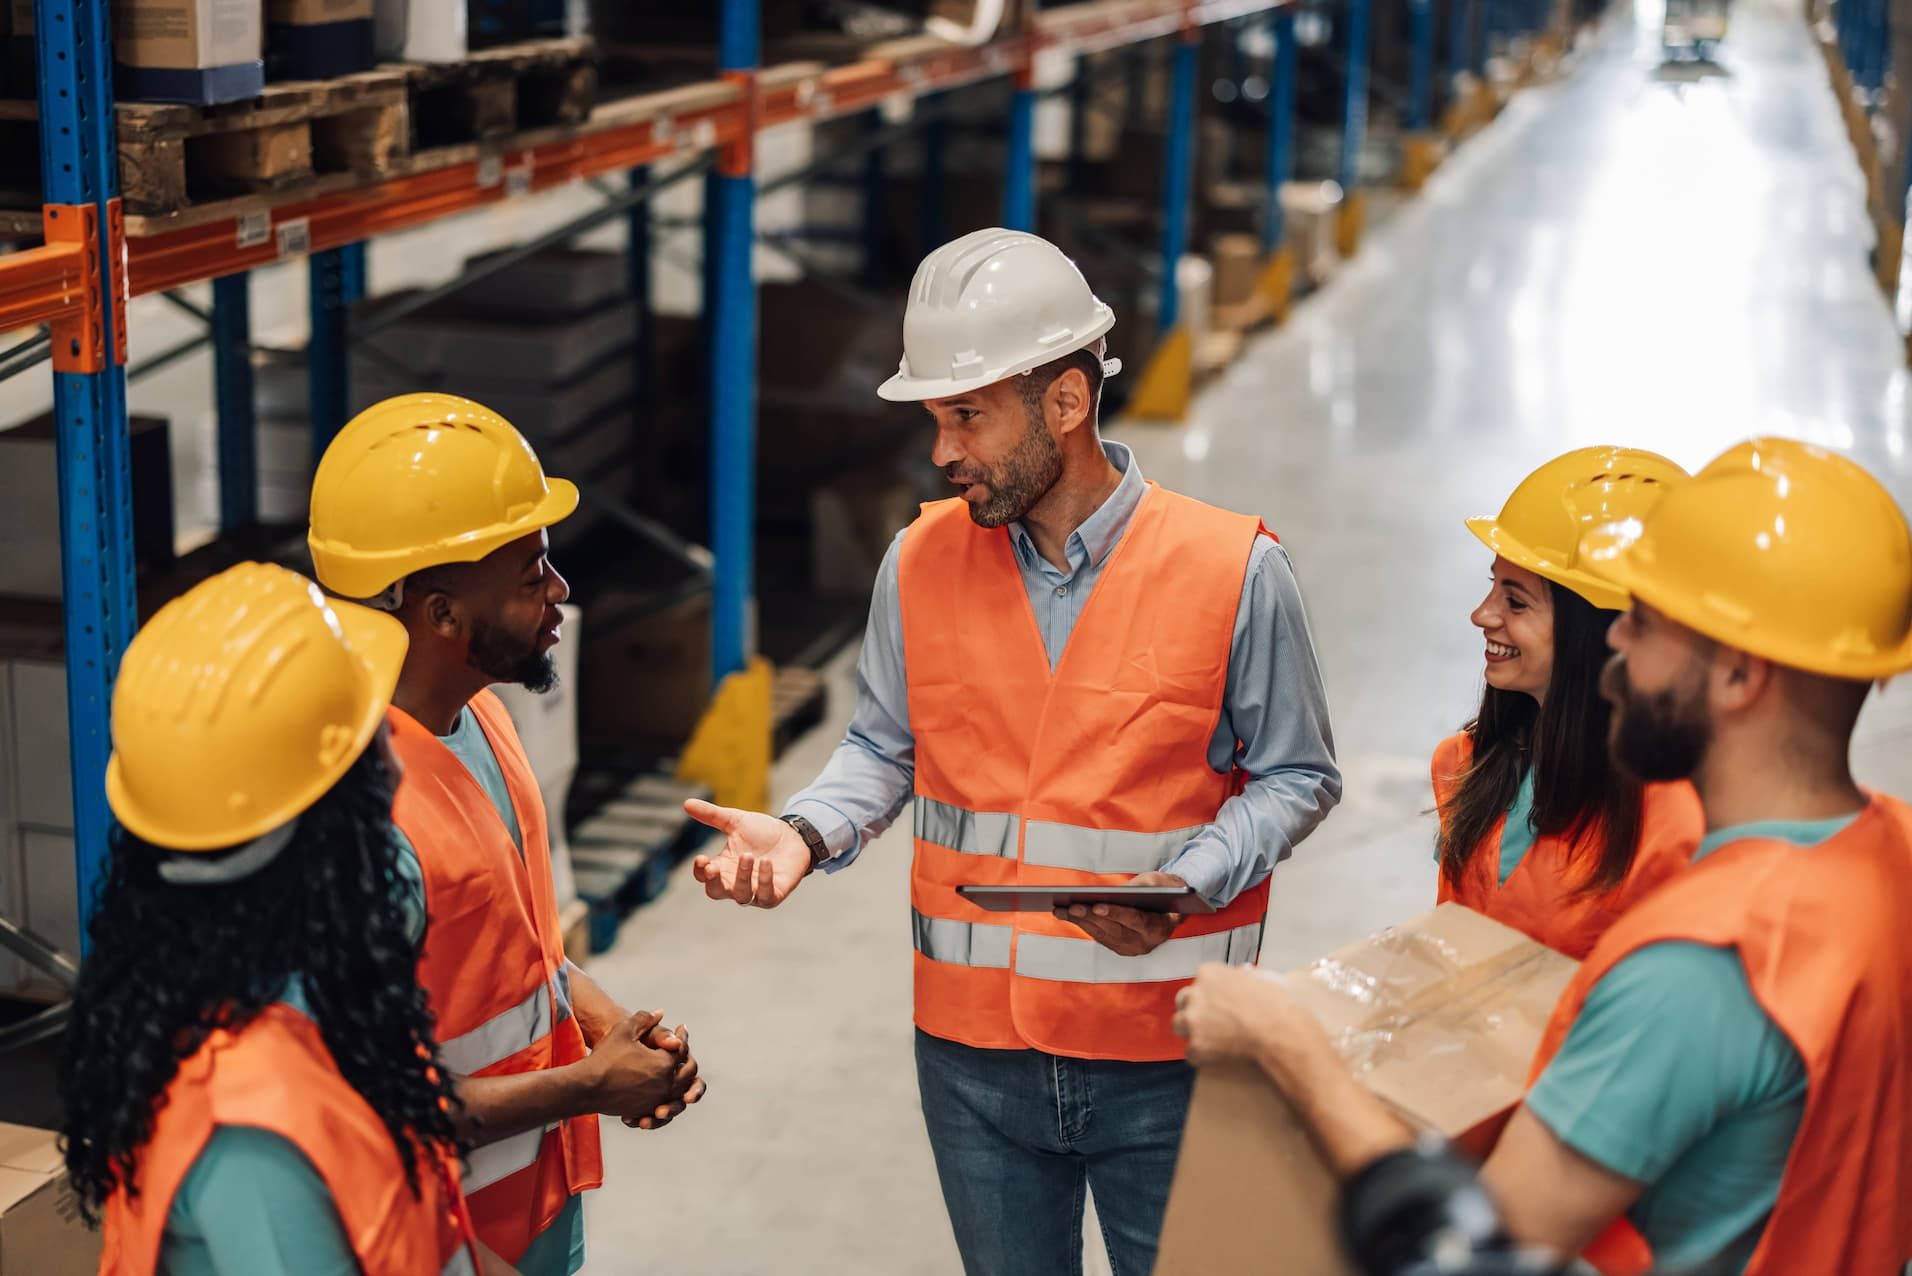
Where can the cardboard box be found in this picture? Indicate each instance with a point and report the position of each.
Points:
(30, 503)
(644, 676)
(1237, 260)
(318, 39)
(196, 51)
(421, 30)
(1440, 1016)
(40, 1229)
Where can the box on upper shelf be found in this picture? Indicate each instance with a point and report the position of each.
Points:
(201, 52)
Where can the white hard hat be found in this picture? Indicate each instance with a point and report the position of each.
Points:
(988, 306)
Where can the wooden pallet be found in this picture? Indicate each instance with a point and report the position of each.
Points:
(173, 157)
(798, 699)
(497, 92)
(623, 854)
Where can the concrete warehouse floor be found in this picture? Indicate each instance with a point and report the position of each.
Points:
(1623, 257)
(1668, 263)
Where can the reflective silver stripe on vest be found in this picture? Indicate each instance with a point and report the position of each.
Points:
(1083, 961)
(459, 1264)
(971, 832)
(564, 992)
(1102, 850)
(500, 1036)
(963, 943)
(500, 1160)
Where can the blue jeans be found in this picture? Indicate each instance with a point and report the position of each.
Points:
(1018, 1135)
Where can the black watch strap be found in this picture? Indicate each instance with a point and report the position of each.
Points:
(811, 838)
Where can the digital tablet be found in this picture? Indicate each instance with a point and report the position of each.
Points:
(1046, 899)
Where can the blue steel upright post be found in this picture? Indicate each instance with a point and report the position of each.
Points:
(1420, 90)
(733, 366)
(81, 165)
(1019, 182)
(1178, 173)
(233, 396)
(1281, 124)
(1354, 107)
(327, 351)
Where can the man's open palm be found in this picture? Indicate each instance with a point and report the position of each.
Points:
(762, 861)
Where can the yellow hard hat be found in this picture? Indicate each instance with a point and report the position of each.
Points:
(241, 703)
(421, 480)
(1780, 549)
(1541, 524)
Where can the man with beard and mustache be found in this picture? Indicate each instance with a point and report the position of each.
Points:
(435, 509)
(1724, 1084)
(1082, 679)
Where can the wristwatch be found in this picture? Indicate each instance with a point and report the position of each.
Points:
(811, 838)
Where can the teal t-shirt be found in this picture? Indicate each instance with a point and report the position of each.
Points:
(1517, 837)
(1674, 1076)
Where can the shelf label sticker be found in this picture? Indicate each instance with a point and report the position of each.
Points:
(914, 74)
(254, 229)
(996, 58)
(518, 180)
(491, 171)
(821, 102)
(295, 237)
(663, 131)
(701, 136)
(806, 92)
(897, 108)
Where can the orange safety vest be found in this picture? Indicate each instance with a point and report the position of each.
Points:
(1087, 775)
(1822, 936)
(1542, 896)
(490, 965)
(275, 1074)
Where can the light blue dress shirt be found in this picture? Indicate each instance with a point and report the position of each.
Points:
(1274, 722)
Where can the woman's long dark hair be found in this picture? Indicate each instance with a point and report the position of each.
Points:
(171, 963)
(1577, 788)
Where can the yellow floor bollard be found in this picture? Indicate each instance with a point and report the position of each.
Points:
(730, 749)
(1277, 283)
(1350, 222)
(1421, 154)
(1891, 254)
(1168, 381)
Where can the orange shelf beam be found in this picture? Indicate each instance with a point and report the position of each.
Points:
(43, 285)
(38, 286)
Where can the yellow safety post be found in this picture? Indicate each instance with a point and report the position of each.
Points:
(1459, 118)
(1890, 253)
(1168, 381)
(1277, 283)
(730, 749)
(1350, 221)
(1421, 154)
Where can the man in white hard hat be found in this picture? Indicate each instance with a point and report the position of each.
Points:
(1082, 680)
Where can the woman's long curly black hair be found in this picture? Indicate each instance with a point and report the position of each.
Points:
(1579, 792)
(171, 963)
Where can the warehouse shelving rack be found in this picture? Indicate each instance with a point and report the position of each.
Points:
(93, 259)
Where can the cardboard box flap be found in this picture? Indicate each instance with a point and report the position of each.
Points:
(1439, 1016)
(35, 1151)
(17, 1185)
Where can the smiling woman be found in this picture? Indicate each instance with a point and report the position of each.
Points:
(1538, 828)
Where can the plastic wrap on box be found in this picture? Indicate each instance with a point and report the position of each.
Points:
(1439, 1016)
